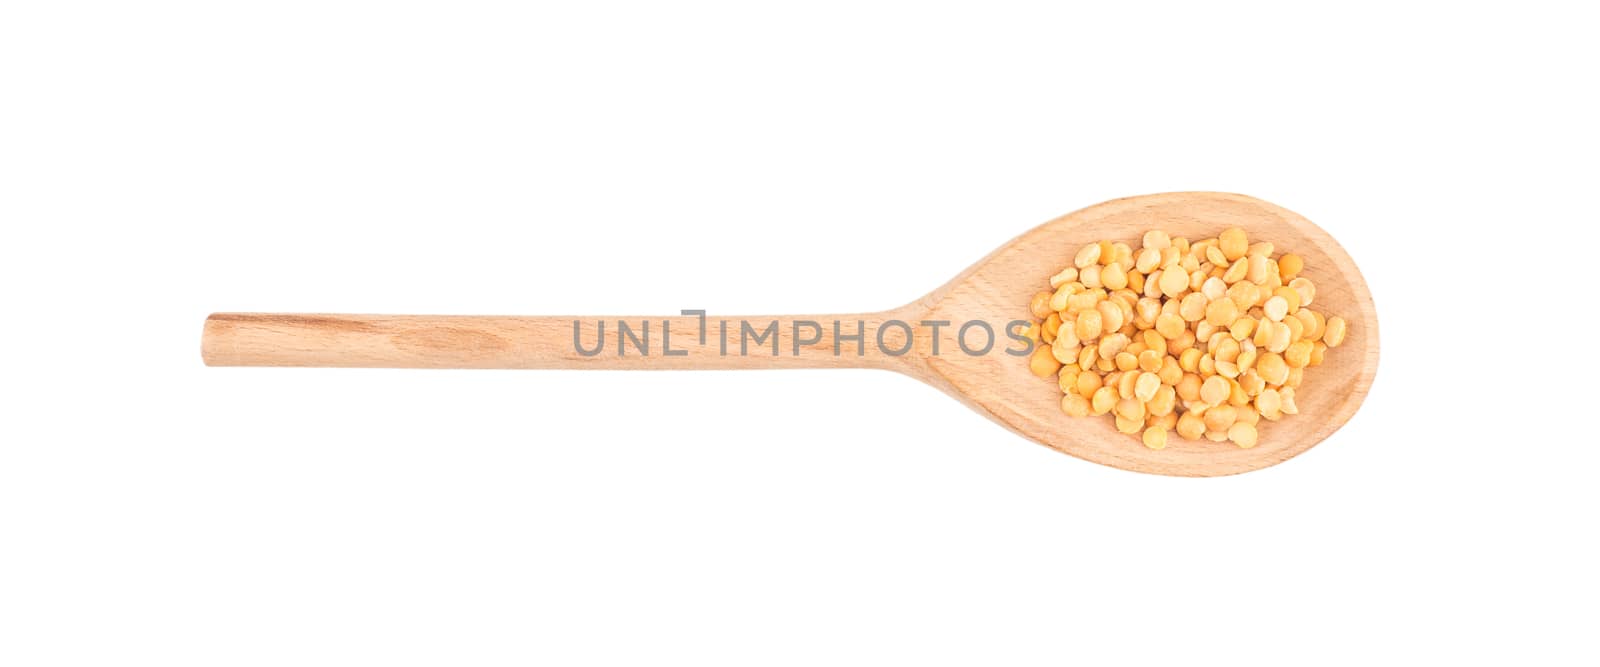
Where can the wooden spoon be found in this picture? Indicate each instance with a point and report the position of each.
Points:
(996, 291)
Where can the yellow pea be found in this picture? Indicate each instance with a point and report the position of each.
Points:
(1114, 277)
(1121, 253)
(1299, 354)
(1236, 272)
(1155, 438)
(1214, 390)
(1291, 296)
(1193, 307)
(1191, 426)
(1043, 363)
(1233, 243)
(1288, 405)
(1088, 383)
(1075, 405)
(1269, 404)
(1258, 269)
(1189, 360)
(1079, 301)
(1088, 325)
(1088, 358)
(1111, 345)
(1247, 357)
(1189, 387)
(1272, 368)
(1062, 297)
(1242, 328)
(1307, 290)
(1252, 383)
(1244, 295)
(1163, 402)
(1090, 277)
(1297, 328)
(1275, 308)
(1335, 332)
(1146, 310)
(1290, 266)
(1222, 312)
(1129, 426)
(1152, 340)
(1220, 417)
(1167, 421)
(1171, 371)
(1183, 342)
(1040, 305)
(1243, 435)
(1236, 395)
(1103, 400)
(1067, 378)
(1149, 259)
(1145, 386)
(1065, 276)
(1064, 350)
(1170, 255)
(1127, 383)
(1279, 337)
(1225, 349)
(1173, 281)
(1130, 408)
(1111, 315)
(1150, 360)
(1170, 325)
(1087, 256)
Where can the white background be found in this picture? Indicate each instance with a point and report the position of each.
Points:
(162, 160)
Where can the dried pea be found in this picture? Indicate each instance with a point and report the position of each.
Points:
(1243, 435)
(1146, 385)
(1214, 390)
(1335, 332)
(1087, 256)
(1233, 243)
(1155, 438)
(1103, 400)
(1040, 305)
(1290, 266)
(1043, 363)
(1191, 426)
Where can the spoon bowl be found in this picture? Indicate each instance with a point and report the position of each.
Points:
(1001, 285)
(995, 290)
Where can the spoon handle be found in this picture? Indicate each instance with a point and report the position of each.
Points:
(685, 342)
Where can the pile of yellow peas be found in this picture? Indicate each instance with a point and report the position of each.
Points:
(1205, 338)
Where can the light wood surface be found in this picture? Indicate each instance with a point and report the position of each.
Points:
(995, 290)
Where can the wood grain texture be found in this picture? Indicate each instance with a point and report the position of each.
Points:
(995, 290)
